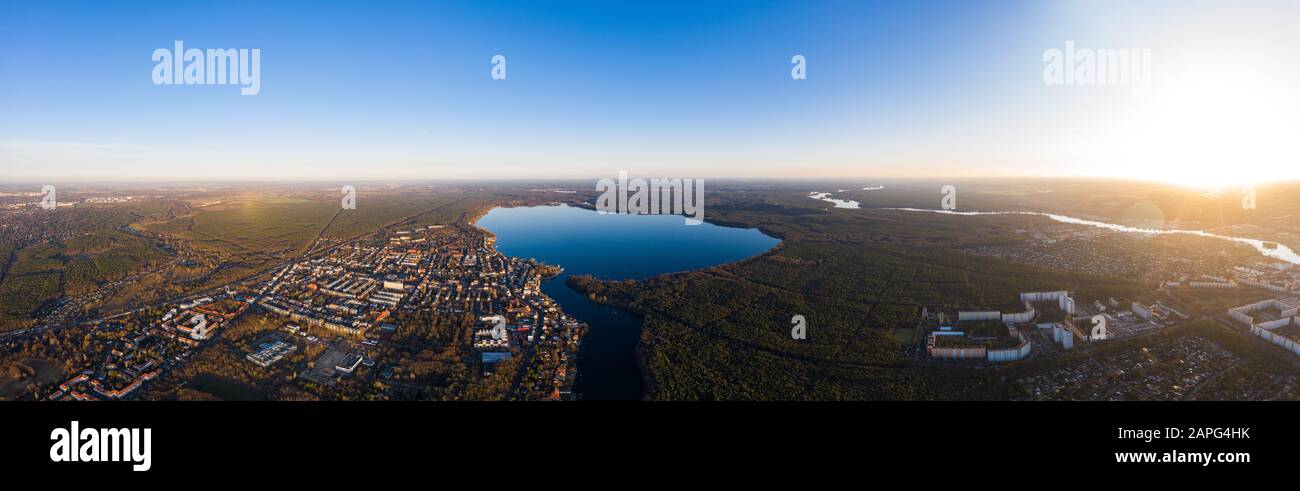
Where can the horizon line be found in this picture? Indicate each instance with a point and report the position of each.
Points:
(408, 180)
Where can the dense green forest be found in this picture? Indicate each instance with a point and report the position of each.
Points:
(856, 276)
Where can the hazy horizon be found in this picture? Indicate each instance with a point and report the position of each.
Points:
(75, 184)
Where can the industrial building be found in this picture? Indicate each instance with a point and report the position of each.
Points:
(270, 352)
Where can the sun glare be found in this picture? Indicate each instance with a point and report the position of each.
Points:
(1213, 124)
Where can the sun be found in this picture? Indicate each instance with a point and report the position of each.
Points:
(1217, 123)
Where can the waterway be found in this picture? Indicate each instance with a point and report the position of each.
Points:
(613, 247)
(1271, 250)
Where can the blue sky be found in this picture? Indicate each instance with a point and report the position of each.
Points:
(401, 90)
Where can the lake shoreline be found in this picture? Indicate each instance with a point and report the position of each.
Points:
(650, 250)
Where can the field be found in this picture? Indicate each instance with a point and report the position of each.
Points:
(378, 210)
(34, 278)
(267, 226)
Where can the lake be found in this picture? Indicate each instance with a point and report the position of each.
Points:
(613, 247)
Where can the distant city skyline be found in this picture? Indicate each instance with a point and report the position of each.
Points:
(399, 92)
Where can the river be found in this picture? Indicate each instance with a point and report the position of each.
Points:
(1275, 251)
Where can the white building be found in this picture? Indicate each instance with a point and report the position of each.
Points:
(1064, 335)
(1062, 299)
(1288, 309)
(1140, 311)
(979, 315)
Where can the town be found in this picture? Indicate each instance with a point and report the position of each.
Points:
(334, 317)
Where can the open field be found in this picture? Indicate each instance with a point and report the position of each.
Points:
(34, 278)
(262, 225)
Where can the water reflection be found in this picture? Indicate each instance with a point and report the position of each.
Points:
(1268, 249)
(839, 203)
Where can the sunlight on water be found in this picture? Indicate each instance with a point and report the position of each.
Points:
(839, 203)
(1280, 252)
